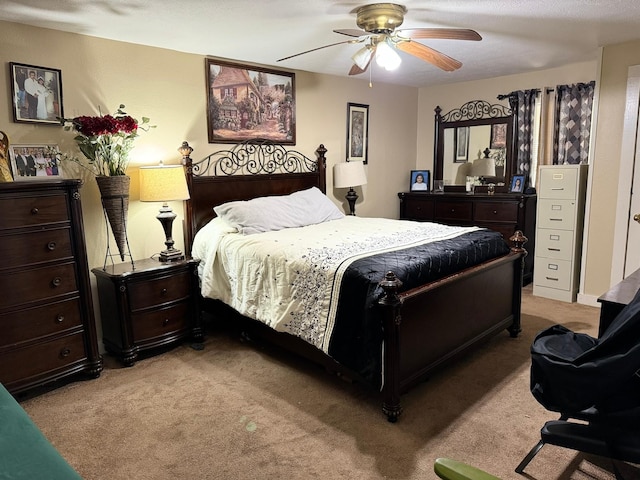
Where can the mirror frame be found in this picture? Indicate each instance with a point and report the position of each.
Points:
(475, 112)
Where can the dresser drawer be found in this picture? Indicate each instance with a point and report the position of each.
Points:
(456, 211)
(157, 323)
(556, 244)
(159, 290)
(560, 214)
(418, 208)
(24, 212)
(552, 273)
(41, 358)
(35, 247)
(31, 323)
(496, 212)
(37, 284)
(558, 183)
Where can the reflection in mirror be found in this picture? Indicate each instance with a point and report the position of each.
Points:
(474, 141)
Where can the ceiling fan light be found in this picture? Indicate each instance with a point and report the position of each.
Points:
(387, 57)
(362, 57)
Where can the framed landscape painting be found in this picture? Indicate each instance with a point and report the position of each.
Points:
(248, 103)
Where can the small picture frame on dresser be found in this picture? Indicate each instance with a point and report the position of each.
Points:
(517, 184)
(420, 180)
(35, 162)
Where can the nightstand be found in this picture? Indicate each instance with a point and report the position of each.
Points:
(148, 305)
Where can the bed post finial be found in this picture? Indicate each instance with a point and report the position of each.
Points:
(189, 232)
(322, 165)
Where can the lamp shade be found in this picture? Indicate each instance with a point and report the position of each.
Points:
(349, 174)
(163, 183)
(483, 167)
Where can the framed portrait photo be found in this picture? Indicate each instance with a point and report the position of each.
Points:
(517, 184)
(36, 94)
(248, 103)
(420, 181)
(35, 162)
(358, 132)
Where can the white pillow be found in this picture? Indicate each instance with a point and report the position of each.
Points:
(265, 214)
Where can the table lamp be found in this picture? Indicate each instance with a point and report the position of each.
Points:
(349, 175)
(164, 183)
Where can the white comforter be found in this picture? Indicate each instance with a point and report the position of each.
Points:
(289, 279)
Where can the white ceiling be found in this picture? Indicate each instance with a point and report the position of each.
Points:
(518, 35)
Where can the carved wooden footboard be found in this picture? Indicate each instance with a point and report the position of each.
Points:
(423, 328)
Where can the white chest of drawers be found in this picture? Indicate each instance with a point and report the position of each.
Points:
(560, 217)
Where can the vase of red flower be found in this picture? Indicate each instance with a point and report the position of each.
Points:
(106, 141)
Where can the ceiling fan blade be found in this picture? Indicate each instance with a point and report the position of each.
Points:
(443, 33)
(351, 32)
(356, 70)
(429, 55)
(318, 48)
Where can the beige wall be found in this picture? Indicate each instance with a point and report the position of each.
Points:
(168, 87)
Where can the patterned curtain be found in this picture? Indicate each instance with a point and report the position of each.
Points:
(572, 129)
(523, 104)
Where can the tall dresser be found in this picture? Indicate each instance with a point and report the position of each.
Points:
(47, 325)
(561, 202)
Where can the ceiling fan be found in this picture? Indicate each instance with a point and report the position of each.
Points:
(378, 22)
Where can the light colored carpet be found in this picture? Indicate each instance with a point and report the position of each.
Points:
(238, 410)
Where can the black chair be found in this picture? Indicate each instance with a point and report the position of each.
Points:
(595, 386)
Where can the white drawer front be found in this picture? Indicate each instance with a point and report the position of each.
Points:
(558, 182)
(560, 214)
(552, 273)
(556, 244)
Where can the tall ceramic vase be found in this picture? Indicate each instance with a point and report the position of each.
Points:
(114, 192)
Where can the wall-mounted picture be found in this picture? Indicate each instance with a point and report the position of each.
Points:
(35, 162)
(248, 103)
(461, 141)
(517, 184)
(498, 135)
(36, 93)
(357, 132)
(420, 180)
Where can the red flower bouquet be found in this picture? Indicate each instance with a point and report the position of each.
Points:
(105, 140)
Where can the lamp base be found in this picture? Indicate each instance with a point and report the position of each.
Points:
(166, 217)
(171, 255)
(352, 196)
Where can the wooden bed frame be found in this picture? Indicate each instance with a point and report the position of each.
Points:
(423, 328)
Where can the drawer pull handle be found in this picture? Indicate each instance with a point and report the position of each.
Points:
(555, 219)
(34, 211)
(56, 282)
(554, 249)
(557, 188)
(165, 322)
(495, 212)
(552, 278)
(51, 246)
(163, 292)
(59, 318)
(65, 352)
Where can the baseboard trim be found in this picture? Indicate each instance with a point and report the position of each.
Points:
(590, 300)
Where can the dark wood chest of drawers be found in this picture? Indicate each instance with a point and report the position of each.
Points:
(47, 324)
(147, 305)
(504, 213)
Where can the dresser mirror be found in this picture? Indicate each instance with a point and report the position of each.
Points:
(476, 141)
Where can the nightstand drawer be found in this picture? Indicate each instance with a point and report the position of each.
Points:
(560, 214)
(41, 358)
(54, 318)
(496, 212)
(157, 323)
(23, 212)
(552, 273)
(558, 183)
(37, 284)
(36, 247)
(460, 211)
(556, 244)
(159, 290)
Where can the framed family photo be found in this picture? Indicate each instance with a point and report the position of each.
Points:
(248, 103)
(357, 132)
(35, 162)
(420, 180)
(36, 93)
